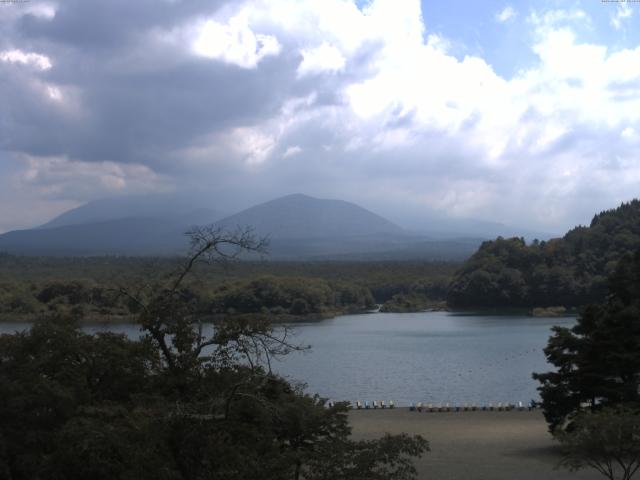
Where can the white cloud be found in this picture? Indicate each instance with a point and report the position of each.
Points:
(42, 10)
(234, 42)
(252, 145)
(63, 178)
(553, 18)
(506, 14)
(630, 134)
(37, 60)
(622, 14)
(325, 58)
(54, 93)
(292, 151)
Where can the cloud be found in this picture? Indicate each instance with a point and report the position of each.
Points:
(248, 100)
(62, 178)
(506, 14)
(292, 151)
(37, 60)
(234, 42)
(623, 13)
(325, 58)
(549, 19)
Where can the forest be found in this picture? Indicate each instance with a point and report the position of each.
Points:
(90, 288)
(570, 271)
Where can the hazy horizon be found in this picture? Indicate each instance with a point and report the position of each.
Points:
(516, 112)
(422, 222)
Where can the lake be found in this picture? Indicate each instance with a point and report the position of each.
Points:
(435, 357)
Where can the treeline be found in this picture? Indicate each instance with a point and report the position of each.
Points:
(570, 271)
(268, 295)
(81, 299)
(91, 288)
(296, 296)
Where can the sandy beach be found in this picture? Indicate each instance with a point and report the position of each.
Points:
(474, 445)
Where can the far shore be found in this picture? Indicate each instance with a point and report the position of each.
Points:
(93, 319)
(480, 445)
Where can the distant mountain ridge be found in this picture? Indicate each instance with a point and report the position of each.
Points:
(298, 226)
(126, 236)
(165, 207)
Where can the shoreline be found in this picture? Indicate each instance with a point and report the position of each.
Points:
(289, 319)
(473, 445)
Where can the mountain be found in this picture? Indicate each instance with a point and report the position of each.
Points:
(300, 216)
(168, 207)
(134, 225)
(570, 271)
(412, 248)
(298, 226)
(445, 228)
(127, 236)
(437, 225)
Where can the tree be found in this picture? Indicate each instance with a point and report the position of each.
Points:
(607, 440)
(179, 404)
(592, 400)
(598, 360)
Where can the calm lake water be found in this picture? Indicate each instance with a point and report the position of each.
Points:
(435, 357)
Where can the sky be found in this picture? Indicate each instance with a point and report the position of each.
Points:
(525, 113)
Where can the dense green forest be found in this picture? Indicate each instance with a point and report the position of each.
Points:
(570, 271)
(91, 287)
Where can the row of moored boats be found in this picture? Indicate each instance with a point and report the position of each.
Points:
(500, 407)
(442, 407)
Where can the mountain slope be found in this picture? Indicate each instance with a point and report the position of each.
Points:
(127, 236)
(147, 206)
(300, 216)
(135, 225)
(569, 271)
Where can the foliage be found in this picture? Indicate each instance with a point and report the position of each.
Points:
(411, 302)
(607, 440)
(569, 271)
(88, 287)
(598, 360)
(290, 295)
(177, 404)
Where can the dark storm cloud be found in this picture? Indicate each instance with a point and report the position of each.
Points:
(132, 114)
(141, 97)
(95, 26)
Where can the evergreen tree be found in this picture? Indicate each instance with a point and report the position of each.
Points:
(598, 360)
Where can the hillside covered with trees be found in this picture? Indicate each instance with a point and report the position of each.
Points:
(570, 271)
